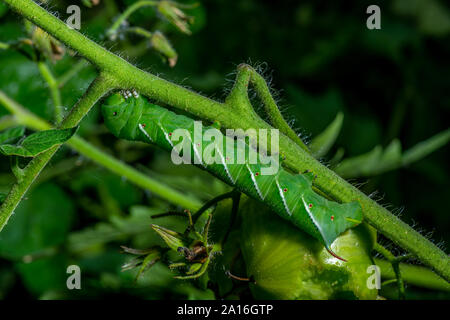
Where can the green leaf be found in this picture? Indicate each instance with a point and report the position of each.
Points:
(38, 142)
(321, 144)
(11, 134)
(40, 222)
(44, 274)
(378, 161)
(391, 157)
(362, 165)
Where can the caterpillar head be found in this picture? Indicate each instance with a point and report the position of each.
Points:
(122, 112)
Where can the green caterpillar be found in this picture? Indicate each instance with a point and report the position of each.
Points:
(129, 116)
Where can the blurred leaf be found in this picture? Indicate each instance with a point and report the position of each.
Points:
(426, 147)
(366, 164)
(337, 157)
(6, 281)
(22, 82)
(3, 9)
(433, 18)
(390, 40)
(187, 178)
(44, 274)
(102, 233)
(194, 268)
(42, 220)
(113, 189)
(11, 134)
(3, 196)
(321, 144)
(148, 262)
(391, 156)
(38, 142)
(378, 160)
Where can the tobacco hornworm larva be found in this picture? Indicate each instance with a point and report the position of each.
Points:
(129, 116)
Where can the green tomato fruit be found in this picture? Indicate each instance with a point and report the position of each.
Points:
(286, 263)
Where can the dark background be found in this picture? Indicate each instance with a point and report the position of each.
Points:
(320, 59)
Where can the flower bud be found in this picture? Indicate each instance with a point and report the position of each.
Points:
(171, 11)
(173, 239)
(47, 45)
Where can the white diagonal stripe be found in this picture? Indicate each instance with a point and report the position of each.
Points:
(141, 127)
(254, 182)
(282, 197)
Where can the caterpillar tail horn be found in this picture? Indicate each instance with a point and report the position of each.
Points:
(334, 254)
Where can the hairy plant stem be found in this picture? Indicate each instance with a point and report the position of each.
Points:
(297, 159)
(24, 117)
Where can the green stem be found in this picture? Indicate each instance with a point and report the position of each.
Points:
(395, 266)
(211, 203)
(54, 90)
(24, 117)
(128, 12)
(73, 71)
(97, 89)
(140, 31)
(234, 211)
(414, 275)
(7, 122)
(296, 158)
(383, 251)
